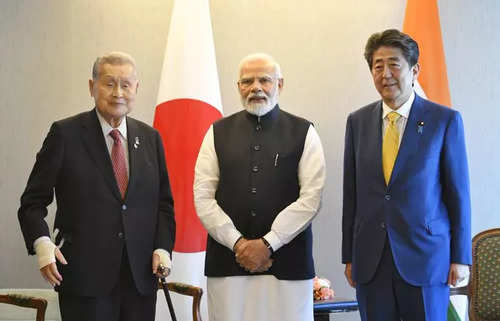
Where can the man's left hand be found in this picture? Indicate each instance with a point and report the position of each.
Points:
(458, 272)
(252, 255)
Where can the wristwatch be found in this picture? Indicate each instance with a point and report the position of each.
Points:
(266, 243)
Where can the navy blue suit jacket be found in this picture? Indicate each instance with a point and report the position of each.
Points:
(425, 208)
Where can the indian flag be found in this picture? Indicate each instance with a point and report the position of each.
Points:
(422, 24)
(188, 103)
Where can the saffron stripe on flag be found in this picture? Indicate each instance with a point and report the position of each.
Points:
(421, 22)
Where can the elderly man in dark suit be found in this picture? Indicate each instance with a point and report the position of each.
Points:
(406, 216)
(114, 216)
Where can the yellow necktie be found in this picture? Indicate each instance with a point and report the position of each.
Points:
(390, 145)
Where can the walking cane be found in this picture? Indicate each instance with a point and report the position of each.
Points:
(164, 285)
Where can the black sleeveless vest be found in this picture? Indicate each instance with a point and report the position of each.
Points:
(258, 161)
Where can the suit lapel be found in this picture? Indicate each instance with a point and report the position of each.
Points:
(134, 140)
(411, 137)
(96, 146)
(376, 127)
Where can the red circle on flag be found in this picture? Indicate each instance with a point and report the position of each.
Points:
(182, 124)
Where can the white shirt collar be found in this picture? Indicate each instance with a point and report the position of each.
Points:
(106, 127)
(404, 110)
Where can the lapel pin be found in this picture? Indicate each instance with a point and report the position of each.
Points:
(136, 143)
(420, 127)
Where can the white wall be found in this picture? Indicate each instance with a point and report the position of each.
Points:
(472, 45)
(48, 47)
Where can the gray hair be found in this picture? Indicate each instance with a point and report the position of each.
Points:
(261, 56)
(112, 58)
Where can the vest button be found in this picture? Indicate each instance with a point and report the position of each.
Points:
(253, 213)
(254, 190)
(256, 147)
(121, 235)
(258, 127)
(387, 197)
(124, 207)
(382, 225)
(255, 169)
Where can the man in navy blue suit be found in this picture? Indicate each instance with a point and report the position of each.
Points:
(406, 207)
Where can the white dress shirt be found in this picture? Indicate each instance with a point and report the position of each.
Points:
(122, 128)
(403, 111)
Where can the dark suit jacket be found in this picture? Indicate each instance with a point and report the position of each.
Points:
(91, 214)
(424, 210)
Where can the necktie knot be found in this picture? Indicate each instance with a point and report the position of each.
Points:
(393, 117)
(115, 134)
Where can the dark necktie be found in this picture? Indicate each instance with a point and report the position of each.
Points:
(119, 163)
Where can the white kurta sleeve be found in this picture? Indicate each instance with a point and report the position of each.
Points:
(206, 179)
(298, 215)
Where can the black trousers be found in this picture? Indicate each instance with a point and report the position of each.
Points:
(388, 297)
(124, 303)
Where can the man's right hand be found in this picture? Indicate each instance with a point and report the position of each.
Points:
(47, 253)
(264, 267)
(348, 274)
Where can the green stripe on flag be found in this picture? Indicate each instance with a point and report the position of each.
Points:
(452, 313)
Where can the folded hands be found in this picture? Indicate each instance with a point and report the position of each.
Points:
(253, 255)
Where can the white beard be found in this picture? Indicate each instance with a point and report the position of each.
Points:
(260, 109)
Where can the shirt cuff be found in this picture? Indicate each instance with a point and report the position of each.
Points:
(164, 258)
(463, 271)
(41, 239)
(232, 238)
(274, 240)
(45, 251)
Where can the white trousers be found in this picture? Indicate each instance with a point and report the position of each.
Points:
(259, 298)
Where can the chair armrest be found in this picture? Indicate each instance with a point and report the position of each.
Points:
(24, 301)
(463, 290)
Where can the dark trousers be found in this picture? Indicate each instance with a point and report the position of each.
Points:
(387, 297)
(124, 303)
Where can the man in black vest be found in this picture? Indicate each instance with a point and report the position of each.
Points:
(114, 206)
(258, 183)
